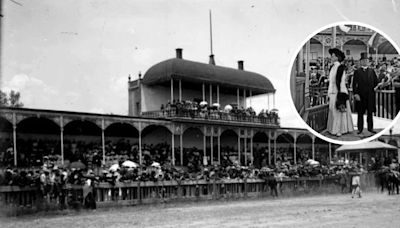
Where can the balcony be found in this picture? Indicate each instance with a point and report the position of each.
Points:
(218, 116)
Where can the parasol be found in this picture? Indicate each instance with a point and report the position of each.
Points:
(114, 167)
(130, 164)
(77, 165)
(228, 108)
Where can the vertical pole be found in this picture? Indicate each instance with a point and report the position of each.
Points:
(204, 144)
(330, 153)
(15, 139)
(245, 149)
(62, 144)
(376, 55)
(103, 144)
(333, 37)
(307, 72)
(268, 101)
(244, 98)
(172, 90)
(140, 143)
(301, 60)
(313, 147)
(219, 146)
(274, 148)
(367, 51)
(323, 57)
(212, 145)
(181, 144)
(204, 92)
(250, 95)
(251, 148)
(218, 94)
(211, 102)
(269, 148)
(294, 148)
(237, 95)
(239, 147)
(273, 97)
(180, 90)
(173, 148)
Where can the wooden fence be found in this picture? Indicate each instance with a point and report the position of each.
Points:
(16, 200)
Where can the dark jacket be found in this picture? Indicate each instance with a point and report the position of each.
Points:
(364, 83)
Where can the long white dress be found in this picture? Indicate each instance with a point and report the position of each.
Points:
(338, 122)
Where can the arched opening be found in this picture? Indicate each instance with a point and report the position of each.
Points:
(322, 151)
(229, 147)
(353, 49)
(156, 144)
(260, 149)
(193, 148)
(303, 148)
(284, 148)
(6, 143)
(121, 143)
(38, 142)
(82, 141)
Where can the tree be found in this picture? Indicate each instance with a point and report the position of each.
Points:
(10, 100)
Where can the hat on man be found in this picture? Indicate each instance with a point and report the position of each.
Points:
(338, 53)
(363, 56)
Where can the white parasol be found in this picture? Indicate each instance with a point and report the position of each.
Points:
(228, 107)
(155, 164)
(114, 167)
(203, 103)
(130, 164)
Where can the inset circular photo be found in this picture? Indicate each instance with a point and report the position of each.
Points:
(345, 83)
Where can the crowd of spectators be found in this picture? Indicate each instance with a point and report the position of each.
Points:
(197, 109)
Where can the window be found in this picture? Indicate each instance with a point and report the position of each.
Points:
(347, 52)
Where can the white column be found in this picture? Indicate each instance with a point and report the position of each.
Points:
(204, 144)
(245, 149)
(330, 153)
(140, 143)
(172, 90)
(15, 139)
(181, 145)
(307, 72)
(269, 148)
(62, 143)
(275, 148)
(219, 146)
(323, 57)
(367, 51)
(250, 95)
(212, 145)
(244, 98)
(237, 95)
(173, 148)
(103, 144)
(376, 55)
(180, 90)
(211, 102)
(273, 96)
(218, 94)
(204, 91)
(239, 147)
(268, 101)
(313, 147)
(251, 149)
(294, 148)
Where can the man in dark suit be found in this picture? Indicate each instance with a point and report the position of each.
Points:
(364, 83)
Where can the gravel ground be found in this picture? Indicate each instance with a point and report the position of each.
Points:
(373, 210)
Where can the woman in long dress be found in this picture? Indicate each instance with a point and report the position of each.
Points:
(339, 119)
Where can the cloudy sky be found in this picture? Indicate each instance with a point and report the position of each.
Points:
(77, 54)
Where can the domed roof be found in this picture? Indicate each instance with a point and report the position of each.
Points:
(186, 70)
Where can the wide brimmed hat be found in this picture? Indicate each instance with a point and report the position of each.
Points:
(337, 52)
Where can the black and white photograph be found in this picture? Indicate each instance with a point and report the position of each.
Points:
(345, 82)
(199, 113)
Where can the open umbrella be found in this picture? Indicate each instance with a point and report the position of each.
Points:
(114, 167)
(203, 103)
(155, 164)
(130, 164)
(216, 105)
(77, 165)
(228, 107)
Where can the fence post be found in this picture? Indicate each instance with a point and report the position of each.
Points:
(245, 186)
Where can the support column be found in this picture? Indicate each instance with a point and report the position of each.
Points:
(244, 98)
(103, 144)
(376, 55)
(211, 102)
(239, 147)
(307, 72)
(323, 57)
(181, 144)
(180, 90)
(301, 60)
(367, 51)
(204, 145)
(269, 148)
(268, 102)
(275, 148)
(204, 92)
(173, 148)
(219, 146)
(218, 94)
(245, 149)
(62, 144)
(251, 148)
(295, 149)
(330, 153)
(140, 143)
(273, 97)
(15, 139)
(237, 95)
(250, 95)
(313, 147)
(172, 90)
(212, 146)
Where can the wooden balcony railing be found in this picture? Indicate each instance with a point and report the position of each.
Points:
(316, 117)
(385, 101)
(215, 115)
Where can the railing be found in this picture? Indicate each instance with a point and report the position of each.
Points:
(316, 117)
(385, 101)
(214, 115)
(318, 95)
(15, 200)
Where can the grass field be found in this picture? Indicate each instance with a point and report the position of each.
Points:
(373, 210)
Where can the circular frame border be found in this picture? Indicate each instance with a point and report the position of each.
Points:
(375, 136)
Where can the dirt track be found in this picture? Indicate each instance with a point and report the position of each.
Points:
(373, 210)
